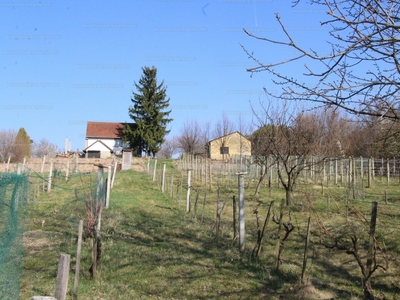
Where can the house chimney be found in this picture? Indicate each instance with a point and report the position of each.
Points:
(66, 145)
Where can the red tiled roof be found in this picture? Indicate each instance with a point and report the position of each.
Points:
(109, 130)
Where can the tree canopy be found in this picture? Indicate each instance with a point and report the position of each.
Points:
(149, 111)
(359, 74)
(22, 145)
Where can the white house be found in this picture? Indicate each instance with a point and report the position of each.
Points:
(103, 139)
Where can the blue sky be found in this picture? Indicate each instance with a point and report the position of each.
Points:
(65, 63)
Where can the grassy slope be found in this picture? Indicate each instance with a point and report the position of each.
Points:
(152, 249)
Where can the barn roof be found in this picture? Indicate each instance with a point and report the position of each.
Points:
(111, 130)
(226, 135)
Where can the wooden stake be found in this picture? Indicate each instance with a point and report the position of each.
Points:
(306, 251)
(62, 276)
(78, 259)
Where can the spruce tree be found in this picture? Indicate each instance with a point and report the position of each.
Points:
(149, 111)
(22, 146)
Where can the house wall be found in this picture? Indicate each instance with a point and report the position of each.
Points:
(238, 145)
(104, 151)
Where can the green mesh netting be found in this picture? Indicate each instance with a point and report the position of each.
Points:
(13, 196)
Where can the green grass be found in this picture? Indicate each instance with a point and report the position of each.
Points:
(152, 249)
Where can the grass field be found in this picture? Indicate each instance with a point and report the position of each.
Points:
(153, 249)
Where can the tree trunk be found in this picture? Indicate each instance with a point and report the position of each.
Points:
(260, 181)
(288, 197)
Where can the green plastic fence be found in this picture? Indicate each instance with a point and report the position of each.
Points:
(13, 196)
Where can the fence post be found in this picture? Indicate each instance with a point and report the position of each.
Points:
(210, 174)
(8, 163)
(388, 170)
(234, 216)
(108, 186)
(371, 249)
(78, 259)
(41, 167)
(241, 211)
(62, 276)
(172, 187)
(99, 181)
(114, 172)
(50, 175)
(155, 168)
(188, 192)
(306, 251)
(67, 171)
(76, 164)
(163, 179)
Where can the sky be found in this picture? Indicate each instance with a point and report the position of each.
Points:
(64, 63)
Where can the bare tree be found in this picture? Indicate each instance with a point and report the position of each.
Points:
(44, 147)
(190, 139)
(352, 238)
(222, 129)
(360, 73)
(289, 137)
(168, 148)
(7, 140)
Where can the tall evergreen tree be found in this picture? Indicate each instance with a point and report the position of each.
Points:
(22, 145)
(149, 113)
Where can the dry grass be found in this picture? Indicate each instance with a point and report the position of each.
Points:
(152, 249)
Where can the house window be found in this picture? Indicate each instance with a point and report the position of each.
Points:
(224, 150)
(118, 143)
(93, 154)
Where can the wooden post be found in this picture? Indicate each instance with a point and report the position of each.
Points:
(210, 175)
(99, 183)
(242, 231)
(172, 187)
(306, 251)
(50, 176)
(234, 217)
(361, 167)
(76, 164)
(8, 163)
(369, 173)
(373, 167)
(67, 171)
(42, 166)
(204, 204)
(108, 185)
(195, 203)
(354, 172)
(163, 179)
(328, 206)
(155, 168)
(62, 276)
(188, 191)
(336, 171)
(371, 249)
(388, 171)
(206, 171)
(218, 216)
(78, 259)
(114, 172)
(263, 229)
